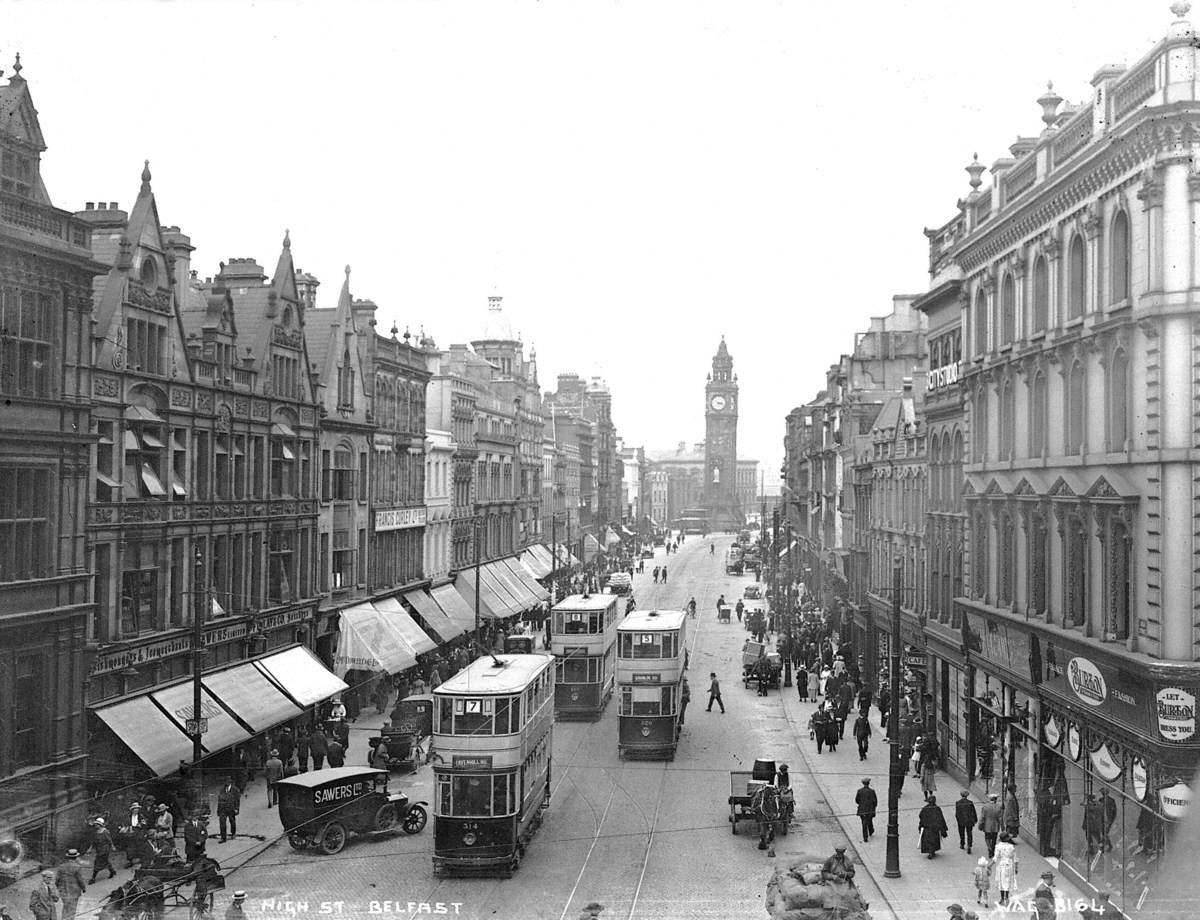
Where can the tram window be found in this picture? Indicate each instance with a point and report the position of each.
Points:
(574, 670)
(445, 712)
(501, 798)
(626, 701)
(472, 716)
(647, 701)
(514, 714)
(472, 796)
(502, 709)
(443, 794)
(625, 645)
(647, 646)
(668, 700)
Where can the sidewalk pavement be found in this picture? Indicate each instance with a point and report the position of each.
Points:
(926, 887)
(258, 827)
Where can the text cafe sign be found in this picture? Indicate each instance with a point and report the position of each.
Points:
(1176, 711)
(945, 376)
(399, 519)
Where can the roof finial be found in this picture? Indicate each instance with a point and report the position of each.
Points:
(287, 239)
(17, 68)
(1180, 8)
(146, 176)
(407, 335)
(1049, 101)
(347, 271)
(395, 330)
(975, 170)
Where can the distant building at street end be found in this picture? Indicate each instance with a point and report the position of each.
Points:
(680, 482)
(720, 495)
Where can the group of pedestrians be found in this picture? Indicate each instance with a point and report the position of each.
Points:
(660, 574)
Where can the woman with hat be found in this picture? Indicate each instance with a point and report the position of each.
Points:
(1043, 898)
(102, 845)
(1007, 867)
(68, 879)
(164, 821)
(932, 825)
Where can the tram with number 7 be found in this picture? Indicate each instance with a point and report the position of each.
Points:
(583, 638)
(493, 723)
(651, 660)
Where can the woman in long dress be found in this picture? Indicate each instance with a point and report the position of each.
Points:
(1006, 867)
(932, 824)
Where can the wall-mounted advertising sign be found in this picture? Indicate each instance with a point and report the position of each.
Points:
(399, 519)
(944, 376)
(1176, 711)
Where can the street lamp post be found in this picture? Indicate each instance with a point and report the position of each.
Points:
(787, 612)
(895, 768)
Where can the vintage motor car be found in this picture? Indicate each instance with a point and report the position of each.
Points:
(753, 592)
(411, 720)
(320, 809)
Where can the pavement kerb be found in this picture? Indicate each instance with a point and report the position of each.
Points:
(926, 887)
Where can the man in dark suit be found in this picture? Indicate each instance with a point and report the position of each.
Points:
(965, 817)
(867, 803)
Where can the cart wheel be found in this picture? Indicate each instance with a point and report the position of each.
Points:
(386, 818)
(333, 838)
(414, 820)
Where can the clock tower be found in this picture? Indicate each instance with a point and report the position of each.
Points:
(720, 444)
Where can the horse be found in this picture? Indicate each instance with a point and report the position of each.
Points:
(767, 806)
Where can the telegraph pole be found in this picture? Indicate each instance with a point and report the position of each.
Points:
(895, 771)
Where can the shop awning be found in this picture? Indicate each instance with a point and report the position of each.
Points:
(253, 696)
(366, 642)
(398, 617)
(610, 537)
(224, 729)
(435, 618)
(538, 564)
(257, 701)
(506, 570)
(625, 531)
(301, 675)
(591, 547)
(452, 604)
(157, 741)
(527, 581)
(489, 605)
(509, 596)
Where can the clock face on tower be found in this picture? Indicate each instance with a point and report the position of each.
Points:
(718, 402)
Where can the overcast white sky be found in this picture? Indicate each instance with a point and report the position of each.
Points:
(636, 178)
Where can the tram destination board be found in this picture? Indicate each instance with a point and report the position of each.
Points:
(645, 678)
(472, 762)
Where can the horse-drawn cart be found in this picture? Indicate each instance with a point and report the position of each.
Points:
(724, 613)
(753, 796)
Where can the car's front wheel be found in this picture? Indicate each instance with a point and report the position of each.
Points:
(415, 819)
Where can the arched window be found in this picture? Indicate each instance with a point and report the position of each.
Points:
(979, 426)
(946, 474)
(957, 470)
(1041, 294)
(1008, 310)
(1118, 258)
(979, 557)
(1116, 625)
(1037, 564)
(1118, 401)
(1073, 410)
(1076, 279)
(1075, 555)
(1038, 408)
(1007, 420)
(1008, 560)
(935, 464)
(981, 312)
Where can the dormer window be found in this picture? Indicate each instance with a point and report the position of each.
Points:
(149, 273)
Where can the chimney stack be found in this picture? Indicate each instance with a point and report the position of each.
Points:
(179, 246)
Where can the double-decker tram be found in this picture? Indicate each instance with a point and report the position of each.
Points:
(583, 638)
(651, 659)
(493, 723)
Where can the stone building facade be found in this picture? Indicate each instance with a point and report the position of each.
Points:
(46, 274)
(1079, 366)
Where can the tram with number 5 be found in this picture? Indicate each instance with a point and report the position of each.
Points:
(651, 660)
(583, 638)
(493, 723)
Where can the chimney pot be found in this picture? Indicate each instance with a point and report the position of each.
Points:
(112, 205)
(90, 206)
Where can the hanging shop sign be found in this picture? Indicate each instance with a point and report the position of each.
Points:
(1175, 800)
(1105, 766)
(1176, 711)
(1073, 747)
(1052, 732)
(399, 519)
(1137, 771)
(994, 643)
(944, 376)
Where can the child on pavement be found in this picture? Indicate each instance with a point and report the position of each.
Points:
(983, 880)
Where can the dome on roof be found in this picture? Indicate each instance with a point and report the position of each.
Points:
(496, 327)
